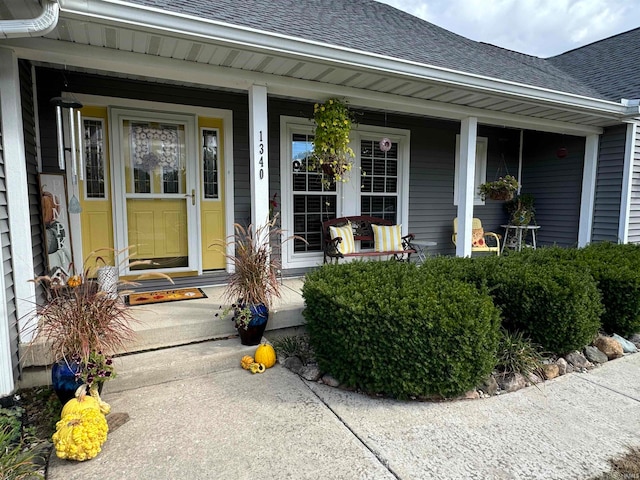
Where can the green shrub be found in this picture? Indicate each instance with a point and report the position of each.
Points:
(555, 303)
(616, 269)
(401, 330)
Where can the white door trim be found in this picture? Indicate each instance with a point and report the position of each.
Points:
(120, 227)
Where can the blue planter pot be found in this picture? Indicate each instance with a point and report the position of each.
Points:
(252, 335)
(64, 380)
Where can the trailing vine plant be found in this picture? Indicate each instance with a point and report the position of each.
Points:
(331, 152)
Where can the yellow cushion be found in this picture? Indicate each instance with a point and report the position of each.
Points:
(387, 238)
(347, 245)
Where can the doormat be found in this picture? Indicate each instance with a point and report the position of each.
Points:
(162, 296)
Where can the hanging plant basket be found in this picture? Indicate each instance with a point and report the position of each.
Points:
(500, 195)
(504, 188)
(332, 155)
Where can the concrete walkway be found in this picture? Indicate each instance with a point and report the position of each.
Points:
(234, 425)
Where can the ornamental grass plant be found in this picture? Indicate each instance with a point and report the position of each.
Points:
(254, 280)
(84, 325)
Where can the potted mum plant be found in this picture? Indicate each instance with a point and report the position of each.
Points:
(254, 284)
(501, 189)
(331, 152)
(83, 327)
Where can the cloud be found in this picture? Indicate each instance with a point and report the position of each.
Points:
(537, 27)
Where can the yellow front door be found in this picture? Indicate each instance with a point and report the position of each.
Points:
(212, 193)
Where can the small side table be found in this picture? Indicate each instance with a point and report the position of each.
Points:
(514, 235)
(421, 247)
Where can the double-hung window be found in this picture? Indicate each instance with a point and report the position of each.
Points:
(374, 187)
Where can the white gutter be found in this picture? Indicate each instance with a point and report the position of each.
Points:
(119, 12)
(32, 27)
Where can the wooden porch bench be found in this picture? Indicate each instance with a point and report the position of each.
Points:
(334, 246)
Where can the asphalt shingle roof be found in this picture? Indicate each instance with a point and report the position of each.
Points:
(610, 66)
(369, 26)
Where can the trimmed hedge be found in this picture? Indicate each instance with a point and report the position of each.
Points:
(616, 269)
(541, 293)
(393, 328)
(556, 305)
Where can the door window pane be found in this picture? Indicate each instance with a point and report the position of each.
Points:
(94, 159)
(155, 157)
(210, 163)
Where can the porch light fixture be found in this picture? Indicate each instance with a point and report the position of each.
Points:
(71, 108)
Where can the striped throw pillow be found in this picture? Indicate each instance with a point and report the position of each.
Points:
(387, 238)
(347, 245)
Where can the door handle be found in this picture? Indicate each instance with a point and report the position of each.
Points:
(193, 196)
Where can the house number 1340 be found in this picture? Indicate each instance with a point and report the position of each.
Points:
(261, 153)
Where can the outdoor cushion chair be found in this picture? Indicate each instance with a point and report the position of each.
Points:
(479, 237)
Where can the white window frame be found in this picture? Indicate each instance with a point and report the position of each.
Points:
(348, 194)
(481, 169)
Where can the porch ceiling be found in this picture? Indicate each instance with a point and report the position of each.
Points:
(298, 75)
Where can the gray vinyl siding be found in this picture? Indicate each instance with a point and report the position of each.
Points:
(556, 184)
(606, 214)
(634, 214)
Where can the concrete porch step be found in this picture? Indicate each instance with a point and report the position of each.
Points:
(176, 363)
(188, 325)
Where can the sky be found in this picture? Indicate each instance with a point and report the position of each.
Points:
(536, 27)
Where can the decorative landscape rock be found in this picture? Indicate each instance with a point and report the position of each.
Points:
(311, 373)
(563, 367)
(329, 380)
(610, 347)
(577, 360)
(635, 339)
(511, 382)
(471, 395)
(552, 370)
(627, 346)
(534, 379)
(594, 355)
(489, 386)
(294, 364)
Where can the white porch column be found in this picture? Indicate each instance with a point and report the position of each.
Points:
(466, 184)
(588, 190)
(627, 179)
(19, 221)
(259, 155)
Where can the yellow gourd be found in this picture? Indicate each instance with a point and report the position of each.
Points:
(266, 355)
(79, 436)
(257, 368)
(80, 403)
(246, 361)
(105, 408)
(74, 281)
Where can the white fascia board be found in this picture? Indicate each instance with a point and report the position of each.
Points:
(124, 13)
(108, 60)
